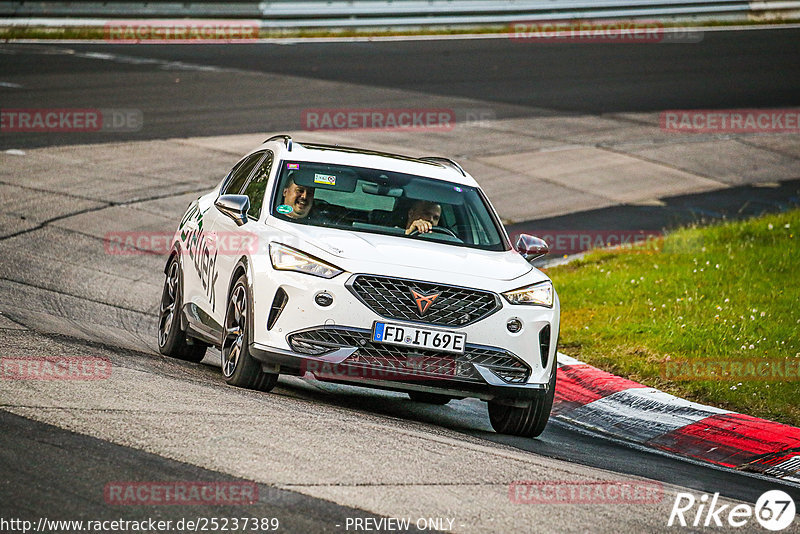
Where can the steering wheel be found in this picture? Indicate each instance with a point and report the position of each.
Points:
(438, 230)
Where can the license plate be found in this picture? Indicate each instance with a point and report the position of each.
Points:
(423, 338)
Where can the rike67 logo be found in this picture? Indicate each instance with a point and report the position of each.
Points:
(774, 510)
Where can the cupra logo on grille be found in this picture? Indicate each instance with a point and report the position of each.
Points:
(423, 301)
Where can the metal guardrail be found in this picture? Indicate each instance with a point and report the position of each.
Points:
(350, 13)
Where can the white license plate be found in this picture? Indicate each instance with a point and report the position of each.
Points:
(424, 338)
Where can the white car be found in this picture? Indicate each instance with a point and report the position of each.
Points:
(363, 268)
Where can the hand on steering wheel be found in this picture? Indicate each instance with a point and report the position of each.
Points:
(422, 226)
(419, 226)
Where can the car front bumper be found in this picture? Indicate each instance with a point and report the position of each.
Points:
(334, 367)
(351, 358)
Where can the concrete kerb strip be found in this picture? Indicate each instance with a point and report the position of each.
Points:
(626, 410)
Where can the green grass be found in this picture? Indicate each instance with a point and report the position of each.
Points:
(719, 293)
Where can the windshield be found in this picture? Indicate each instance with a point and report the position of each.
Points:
(384, 202)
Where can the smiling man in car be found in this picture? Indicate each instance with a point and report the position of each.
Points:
(299, 198)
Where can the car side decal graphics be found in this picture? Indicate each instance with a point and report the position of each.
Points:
(196, 242)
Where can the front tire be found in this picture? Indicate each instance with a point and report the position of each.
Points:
(528, 421)
(239, 368)
(171, 337)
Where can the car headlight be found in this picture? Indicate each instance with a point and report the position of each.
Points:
(540, 294)
(288, 259)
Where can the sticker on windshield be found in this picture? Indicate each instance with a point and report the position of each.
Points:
(327, 179)
(295, 166)
(284, 208)
(457, 189)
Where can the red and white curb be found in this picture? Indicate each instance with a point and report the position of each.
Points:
(626, 410)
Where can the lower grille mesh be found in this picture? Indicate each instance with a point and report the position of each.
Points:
(409, 362)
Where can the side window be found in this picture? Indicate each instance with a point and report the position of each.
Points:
(478, 225)
(257, 186)
(240, 173)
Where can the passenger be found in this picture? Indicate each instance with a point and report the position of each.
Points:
(422, 216)
(299, 198)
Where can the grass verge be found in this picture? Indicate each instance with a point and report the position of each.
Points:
(692, 301)
(97, 33)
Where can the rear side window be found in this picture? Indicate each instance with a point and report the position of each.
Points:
(257, 186)
(240, 173)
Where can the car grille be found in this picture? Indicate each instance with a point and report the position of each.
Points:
(393, 298)
(407, 362)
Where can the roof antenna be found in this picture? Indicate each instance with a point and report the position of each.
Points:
(287, 140)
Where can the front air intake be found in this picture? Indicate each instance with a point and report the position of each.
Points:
(278, 303)
(544, 345)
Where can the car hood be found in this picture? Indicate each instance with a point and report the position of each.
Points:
(412, 253)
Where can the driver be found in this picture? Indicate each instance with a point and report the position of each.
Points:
(422, 216)
(299, 198)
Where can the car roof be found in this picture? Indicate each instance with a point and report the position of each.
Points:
(432, 166)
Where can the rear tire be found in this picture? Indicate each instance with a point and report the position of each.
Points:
(239, 368)
(429, 398)
(528, 421)
(172, 339)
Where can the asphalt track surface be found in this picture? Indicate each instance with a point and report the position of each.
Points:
(46, 470)
(727, 69)
(37, 482)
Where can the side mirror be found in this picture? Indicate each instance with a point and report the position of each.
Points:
(531, 247)
(234, 206)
